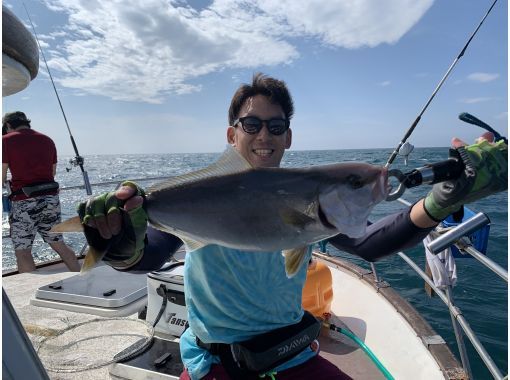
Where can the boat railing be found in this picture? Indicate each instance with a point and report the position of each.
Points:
(456, 236)
(117, 184)
(114, 182)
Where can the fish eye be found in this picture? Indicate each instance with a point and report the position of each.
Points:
(355, 181)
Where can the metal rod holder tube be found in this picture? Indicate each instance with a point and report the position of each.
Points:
(88, 188)
(496, 268)
(463, 229)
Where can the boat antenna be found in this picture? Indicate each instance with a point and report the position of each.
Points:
(78, 160)
(415, 123)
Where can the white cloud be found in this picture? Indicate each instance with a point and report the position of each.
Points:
(475, 100)
(142, 50)
(384, 83)
(482, 77)
(501, 116)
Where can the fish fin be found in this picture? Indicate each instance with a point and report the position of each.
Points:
(295, 218)
(92, 257)
(192, 245)
(159, 226)
(294, 259)
(69, 225)
(230, 162)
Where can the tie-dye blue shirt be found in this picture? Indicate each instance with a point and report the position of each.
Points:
(233, 295)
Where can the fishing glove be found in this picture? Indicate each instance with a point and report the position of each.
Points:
(126, 248)
(485, 173)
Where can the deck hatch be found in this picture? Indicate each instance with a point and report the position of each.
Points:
(161, 362)
(101, 287)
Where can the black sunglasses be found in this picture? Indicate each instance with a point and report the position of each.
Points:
(253, 125)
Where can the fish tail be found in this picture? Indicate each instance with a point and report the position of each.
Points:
(294, 259)
(91, 259)
(70, 225)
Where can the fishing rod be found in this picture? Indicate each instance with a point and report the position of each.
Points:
(418, 118)
(77, 160)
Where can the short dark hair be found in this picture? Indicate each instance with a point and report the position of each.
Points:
(15, 120)
(276, 90)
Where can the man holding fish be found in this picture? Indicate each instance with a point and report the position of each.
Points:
(248, 227)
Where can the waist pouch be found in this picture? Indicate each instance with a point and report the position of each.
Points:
(35, 189)
(268, 350)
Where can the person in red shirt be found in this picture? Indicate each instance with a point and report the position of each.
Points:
(31, 158)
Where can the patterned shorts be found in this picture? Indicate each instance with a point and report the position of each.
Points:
(33, 215)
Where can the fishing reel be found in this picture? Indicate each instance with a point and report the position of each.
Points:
(75, 161)
(78, 161)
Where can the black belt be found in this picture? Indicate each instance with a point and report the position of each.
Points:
(265, 351)
(35, 189)
(213, 348)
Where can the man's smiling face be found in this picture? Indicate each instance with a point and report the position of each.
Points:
(261, 149)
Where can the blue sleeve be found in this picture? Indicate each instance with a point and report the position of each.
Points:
(160, 247)
(388, 235)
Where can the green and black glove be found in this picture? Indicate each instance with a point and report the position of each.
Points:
(485, 173)
(125, 248)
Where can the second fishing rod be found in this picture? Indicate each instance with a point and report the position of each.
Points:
(77, 160)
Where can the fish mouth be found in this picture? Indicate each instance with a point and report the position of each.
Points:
(324, 219)
(263, 152)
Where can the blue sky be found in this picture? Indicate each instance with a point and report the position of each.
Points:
(157, 76)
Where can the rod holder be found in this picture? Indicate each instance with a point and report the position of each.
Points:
(447, 239)
(86, 181)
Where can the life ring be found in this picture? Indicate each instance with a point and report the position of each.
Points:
(20, 55)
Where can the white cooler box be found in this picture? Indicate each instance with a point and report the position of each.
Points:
(170, 281)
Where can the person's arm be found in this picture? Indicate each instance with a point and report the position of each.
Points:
(386, 236)
(160, 247)
(486, 173)
(419, 216)
(4, 172)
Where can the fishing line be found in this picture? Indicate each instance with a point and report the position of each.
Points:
(78, 160)
(93, 344)
(415, 123)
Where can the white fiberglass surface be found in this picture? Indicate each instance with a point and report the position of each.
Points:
(376, 322)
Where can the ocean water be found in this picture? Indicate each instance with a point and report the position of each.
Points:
(481, 295)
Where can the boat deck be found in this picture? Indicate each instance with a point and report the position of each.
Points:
(41, 322)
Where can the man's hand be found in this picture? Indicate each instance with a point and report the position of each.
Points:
(486, 173)
(116, 222)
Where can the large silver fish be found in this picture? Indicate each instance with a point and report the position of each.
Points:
(232, 204)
